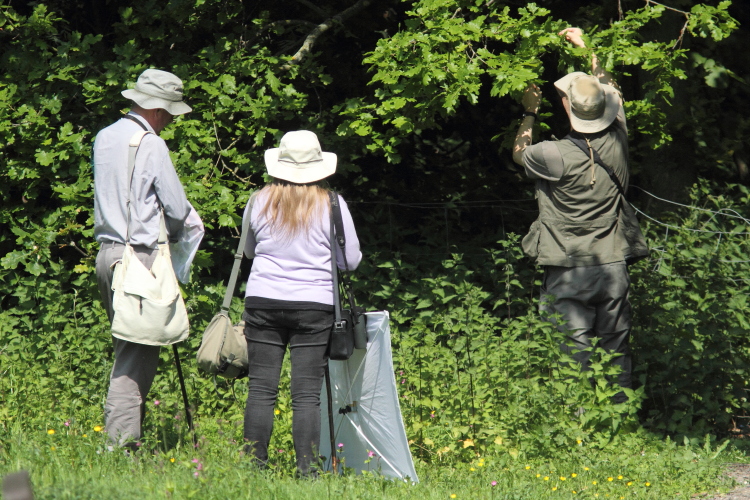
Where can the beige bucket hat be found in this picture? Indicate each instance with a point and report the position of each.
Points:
(593, 106)
(158, 89)
(299, 159)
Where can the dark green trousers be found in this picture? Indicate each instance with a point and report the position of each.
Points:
(593, 303)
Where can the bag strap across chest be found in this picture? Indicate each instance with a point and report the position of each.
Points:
(133, 145)
(589, 150)
(237, 259)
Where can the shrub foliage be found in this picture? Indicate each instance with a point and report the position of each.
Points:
(405, 93)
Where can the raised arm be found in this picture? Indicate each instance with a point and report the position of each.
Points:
(575, 36)
(532, 98)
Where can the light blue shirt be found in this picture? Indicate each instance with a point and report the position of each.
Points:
(154, 181)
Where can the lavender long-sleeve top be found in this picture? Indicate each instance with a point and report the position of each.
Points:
(297, 270)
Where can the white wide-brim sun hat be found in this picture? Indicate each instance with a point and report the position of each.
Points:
(158, 89)
(299, 159)
(593, 106)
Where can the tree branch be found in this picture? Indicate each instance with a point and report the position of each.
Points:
(684, 27)
(322, 28)
(288, 22)
(741, 165)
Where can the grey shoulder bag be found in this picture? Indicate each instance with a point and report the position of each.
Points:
(223, 349)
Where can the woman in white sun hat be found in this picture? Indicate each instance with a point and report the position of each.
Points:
(289, 298)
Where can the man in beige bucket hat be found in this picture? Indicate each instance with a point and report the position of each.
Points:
(586, 231)
(157, 97)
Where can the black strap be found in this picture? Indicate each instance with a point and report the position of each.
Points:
(334, 275)
(340, 237)
(581, 143)
(338, 222)
(136, 120)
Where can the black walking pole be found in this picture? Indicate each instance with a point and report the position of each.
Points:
(334, 460)
(188, 415)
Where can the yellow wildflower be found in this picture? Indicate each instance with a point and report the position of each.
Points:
(648, 484)
(472, 469)
(579, 441)
(562, 478)
(276, 411)
(171, 459)
(619, 477)
(538, 475)
(97, 428)
(585, 468)
(630, 483)
(50, 431)
(574, 492)
(85, 435)
(546, 478)
(453, 495)
(528, 467)
(610, 479)
(573, 475)
(554, 488)
(52, 448)
(593, 482)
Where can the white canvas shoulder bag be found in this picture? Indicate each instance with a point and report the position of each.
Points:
(148, 305)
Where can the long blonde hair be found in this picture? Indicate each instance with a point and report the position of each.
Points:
(292, 208)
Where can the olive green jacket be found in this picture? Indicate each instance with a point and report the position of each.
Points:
(581, 221)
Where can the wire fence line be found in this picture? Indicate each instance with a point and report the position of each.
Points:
(503, 204)
(692, 207)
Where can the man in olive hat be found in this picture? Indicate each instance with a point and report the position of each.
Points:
(157, 97)
(585, 232)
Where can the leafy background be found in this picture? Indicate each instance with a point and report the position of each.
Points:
(420, 101)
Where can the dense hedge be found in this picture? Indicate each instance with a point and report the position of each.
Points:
(410, 95)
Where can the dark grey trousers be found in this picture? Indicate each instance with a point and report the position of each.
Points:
(135, 364)
(593, 303)
(268, 332)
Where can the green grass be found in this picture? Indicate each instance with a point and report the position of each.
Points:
(74, 462)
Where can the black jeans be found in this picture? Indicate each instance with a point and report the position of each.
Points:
(268, 332)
